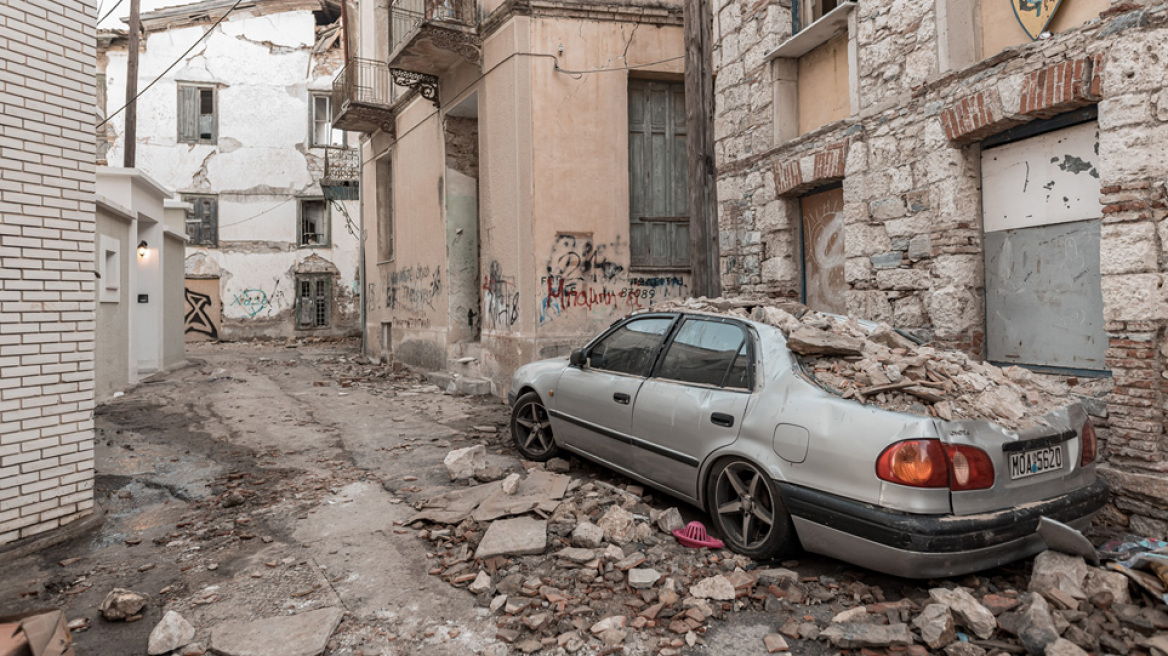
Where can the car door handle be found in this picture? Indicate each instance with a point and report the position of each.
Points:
(722, 419)
(622, 398)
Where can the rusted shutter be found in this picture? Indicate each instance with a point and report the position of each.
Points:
(658, 188)
(304, 304)
(188, 113)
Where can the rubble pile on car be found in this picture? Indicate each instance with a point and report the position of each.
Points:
(881, 366)
(593, 568)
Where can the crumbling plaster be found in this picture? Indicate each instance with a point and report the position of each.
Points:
(263, 69)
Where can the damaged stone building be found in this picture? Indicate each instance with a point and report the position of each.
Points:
(993, 187)
(241, 127)
(524, 169)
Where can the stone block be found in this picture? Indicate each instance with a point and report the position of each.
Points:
(888, 208)
(1134, 297)
(888, 260)
(1128, 248)
(513, 537)
(902, 279)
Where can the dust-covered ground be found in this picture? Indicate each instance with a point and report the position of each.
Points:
(264, 481)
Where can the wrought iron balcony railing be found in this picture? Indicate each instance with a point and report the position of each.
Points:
(342, 173)
(362, 97)
(407, 15)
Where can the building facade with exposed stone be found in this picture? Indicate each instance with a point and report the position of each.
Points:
(241, 127)
(933, 166)
(524, 175)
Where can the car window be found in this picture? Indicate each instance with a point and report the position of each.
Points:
(631, 348)
(708, 353)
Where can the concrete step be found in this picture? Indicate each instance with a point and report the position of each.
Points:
(465, 359)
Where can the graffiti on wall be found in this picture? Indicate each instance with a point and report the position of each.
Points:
(257, 301)
(413, 288)
(500, 299)
(198, 319)
(582, 277)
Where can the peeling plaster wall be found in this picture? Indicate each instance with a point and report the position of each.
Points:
(261, 164)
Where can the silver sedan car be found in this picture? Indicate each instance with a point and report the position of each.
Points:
(717, 411)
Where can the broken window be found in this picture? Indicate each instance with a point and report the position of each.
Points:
(323, 133)
(658, 186)
(707, 353)
(314, 222)
(313, 301)
(197, 122)
(202, 220)
(806, 12)
(384, 210)
(1041, 216)
(822, 226)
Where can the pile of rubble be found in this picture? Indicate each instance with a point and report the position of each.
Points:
(875, 364)
(576, 566)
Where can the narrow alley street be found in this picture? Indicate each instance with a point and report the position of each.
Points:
(262, 482)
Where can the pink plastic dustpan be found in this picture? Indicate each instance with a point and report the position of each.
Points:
(694, 535)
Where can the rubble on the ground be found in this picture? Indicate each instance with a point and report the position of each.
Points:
(605, 574)
(123, 605)
(875, 364)
(171, 633)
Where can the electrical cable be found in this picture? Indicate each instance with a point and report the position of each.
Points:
(110, 12)
(173, 64)
(256, 216)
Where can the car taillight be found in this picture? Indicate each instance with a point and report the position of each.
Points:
(1087, 442)
(928, 463)
(970, 468)
(916, 463)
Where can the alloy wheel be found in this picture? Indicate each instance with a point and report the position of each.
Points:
(534, 430)
(745, 505)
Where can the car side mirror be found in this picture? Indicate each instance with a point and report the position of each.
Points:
(578, 358)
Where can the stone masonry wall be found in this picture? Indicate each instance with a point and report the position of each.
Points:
(909, 164)
(46, 264)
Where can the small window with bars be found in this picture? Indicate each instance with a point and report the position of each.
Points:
(197, 121)
(314, 222)
(313, 302)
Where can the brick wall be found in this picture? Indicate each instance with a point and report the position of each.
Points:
(47, 63)
(908, 158)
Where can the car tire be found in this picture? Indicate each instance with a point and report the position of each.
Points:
(741, 498)
(531, 429)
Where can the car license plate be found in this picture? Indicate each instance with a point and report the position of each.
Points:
(1038, 461)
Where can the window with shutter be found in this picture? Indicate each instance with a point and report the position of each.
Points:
(202, 220)
(658, 188)
(197, 122)
(313, 302)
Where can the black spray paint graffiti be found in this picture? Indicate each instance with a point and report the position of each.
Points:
(413, 288)
(197, 320)
(577, 259)
(500, 299)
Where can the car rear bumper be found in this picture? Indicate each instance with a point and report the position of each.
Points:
(927, 546)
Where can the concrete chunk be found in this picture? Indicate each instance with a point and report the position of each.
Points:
(513, 537)
(306, 634)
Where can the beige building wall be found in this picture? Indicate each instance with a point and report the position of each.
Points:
(552, 198)
(1000, 29)
(115, 230)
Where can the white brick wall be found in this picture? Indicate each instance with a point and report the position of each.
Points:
(47, 62)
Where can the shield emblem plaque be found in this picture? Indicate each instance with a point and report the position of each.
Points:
(1034, 15)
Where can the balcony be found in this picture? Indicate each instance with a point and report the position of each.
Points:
(363, 96)
(342, 173)
(430, 36)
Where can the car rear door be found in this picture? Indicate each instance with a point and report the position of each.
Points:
(1029, 465)
(594, 402)
(694, 404)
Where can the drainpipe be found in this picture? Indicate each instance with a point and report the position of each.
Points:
(361, 261)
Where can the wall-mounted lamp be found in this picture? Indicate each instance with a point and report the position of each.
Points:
(142, 245)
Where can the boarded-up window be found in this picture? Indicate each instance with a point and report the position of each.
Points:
(658, 189)
(823, 250)
(203, 220)
(1040, 199)
(197, 122)
(384, 210)
(313, 302)
(823, 91)
(323, 133)
(314, 222)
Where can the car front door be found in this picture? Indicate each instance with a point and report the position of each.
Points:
(594, 402)
(694, 404)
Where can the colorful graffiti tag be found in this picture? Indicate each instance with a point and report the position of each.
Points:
(583, 277)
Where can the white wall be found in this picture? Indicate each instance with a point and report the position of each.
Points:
(264, 72)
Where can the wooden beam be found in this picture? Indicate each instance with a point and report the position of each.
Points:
(131, 131)
(705, 255)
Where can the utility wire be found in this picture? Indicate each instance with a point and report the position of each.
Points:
(256, 216)
(110, 12)
(174, 63)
